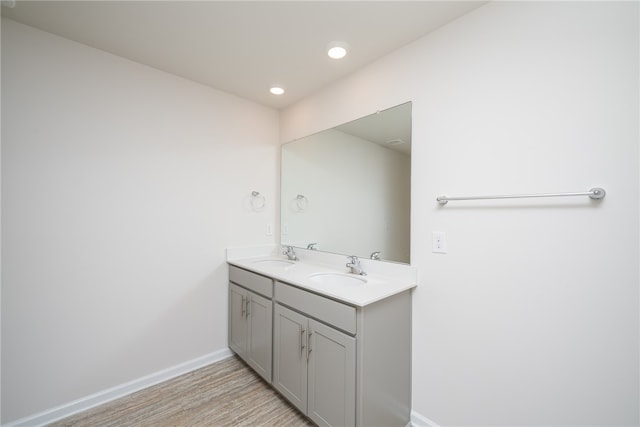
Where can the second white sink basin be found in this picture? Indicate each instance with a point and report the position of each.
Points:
(337, 279)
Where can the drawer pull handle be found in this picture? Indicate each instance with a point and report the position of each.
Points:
(301, 342)
(309, 345)
(247, 306)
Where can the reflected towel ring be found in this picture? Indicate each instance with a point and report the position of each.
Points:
(258, 201)
(302, 203)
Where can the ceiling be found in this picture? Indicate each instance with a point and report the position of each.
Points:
(244, 47)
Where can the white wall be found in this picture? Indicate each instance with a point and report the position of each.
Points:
(532, 316)
(121, 188)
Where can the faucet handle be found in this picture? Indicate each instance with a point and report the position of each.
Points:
(354, 263)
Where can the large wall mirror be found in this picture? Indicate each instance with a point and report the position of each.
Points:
(347, 190)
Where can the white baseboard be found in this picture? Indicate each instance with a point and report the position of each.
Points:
(418, 420)
(91, 401)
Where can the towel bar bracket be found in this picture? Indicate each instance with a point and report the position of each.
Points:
(597, 193)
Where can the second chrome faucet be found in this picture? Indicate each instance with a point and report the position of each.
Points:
(290, 253)
(355, 266)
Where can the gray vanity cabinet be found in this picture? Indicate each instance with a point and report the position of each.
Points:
(250, 319)
(340, 364)
(314, 364)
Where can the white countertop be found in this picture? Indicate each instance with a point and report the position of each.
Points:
(376, 288)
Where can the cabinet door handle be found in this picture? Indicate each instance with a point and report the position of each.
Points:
(242, 307)
(302, 331)
(309, 344)
(248, 304)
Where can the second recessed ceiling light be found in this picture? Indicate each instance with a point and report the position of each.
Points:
(337, 50)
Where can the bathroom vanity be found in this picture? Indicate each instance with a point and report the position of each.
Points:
(336, 345)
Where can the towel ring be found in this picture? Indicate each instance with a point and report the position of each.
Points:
(302, 203)
(258, 201)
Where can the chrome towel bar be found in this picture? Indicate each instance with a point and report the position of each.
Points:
(595, 193)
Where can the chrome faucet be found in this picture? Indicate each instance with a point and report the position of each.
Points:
(290, 253)
(355, 266)
(375, 255)
(312, 246)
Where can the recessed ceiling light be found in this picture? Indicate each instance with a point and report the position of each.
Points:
(337, 50)
(276, 90)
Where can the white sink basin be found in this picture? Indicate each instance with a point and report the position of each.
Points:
(275, 263)
(337, 279)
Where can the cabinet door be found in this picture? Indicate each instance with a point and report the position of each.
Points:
(332, 376)
(259, 340)
(290, 356)
(237, 319)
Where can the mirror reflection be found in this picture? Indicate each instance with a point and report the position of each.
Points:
(347, 190)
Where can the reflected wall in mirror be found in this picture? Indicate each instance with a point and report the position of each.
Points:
(347, 190)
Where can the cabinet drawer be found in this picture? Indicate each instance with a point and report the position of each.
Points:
(340, 315)
(252, 281)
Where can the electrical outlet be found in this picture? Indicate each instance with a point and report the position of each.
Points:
(439, 242)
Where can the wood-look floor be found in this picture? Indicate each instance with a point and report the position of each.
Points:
(226, 393)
